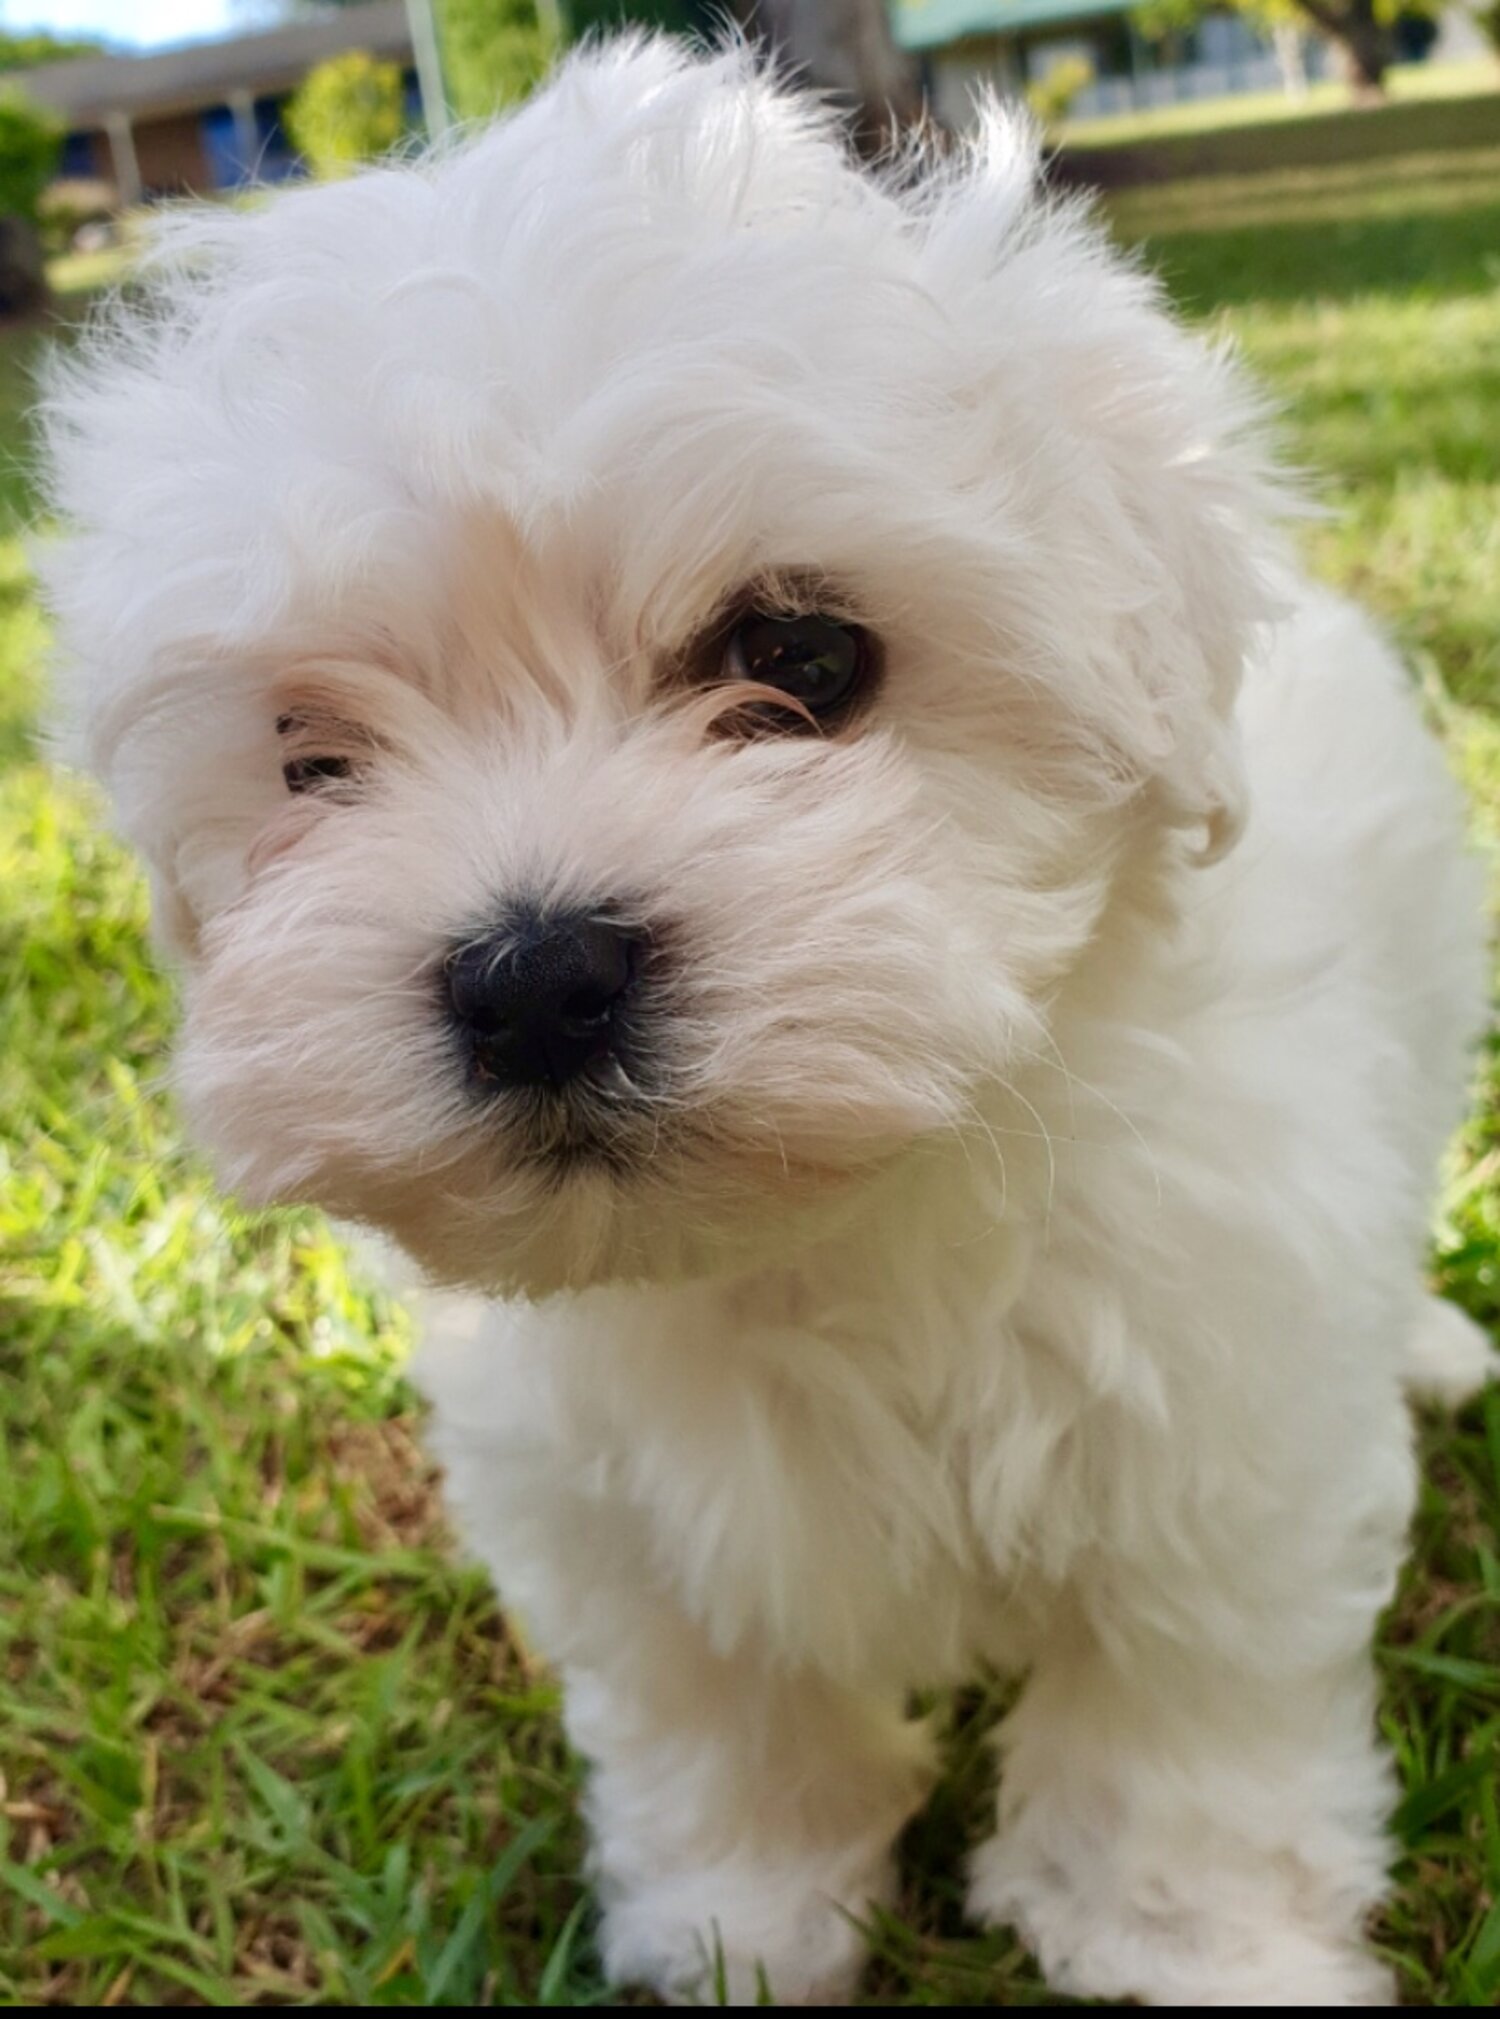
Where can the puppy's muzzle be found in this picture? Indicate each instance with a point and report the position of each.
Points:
(542, 998)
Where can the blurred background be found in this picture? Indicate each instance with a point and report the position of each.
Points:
(262, 1739)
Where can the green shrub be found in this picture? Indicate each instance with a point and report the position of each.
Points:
(495, 52)
(1051, 97)
(350, 109)
(67, 206)
(31, 141)
(34, 46)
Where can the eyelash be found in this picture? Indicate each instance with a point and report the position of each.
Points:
(825, 663)
(316, 769)
(306, 774)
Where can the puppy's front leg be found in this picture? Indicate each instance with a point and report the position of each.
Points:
(741, 1808)
(742, 1818)
(1185, 1829)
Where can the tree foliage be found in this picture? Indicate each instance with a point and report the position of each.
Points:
(348, 110)
(1051, 96)
(1487, 20)
(36, 46)
(494, 53)
(31, 139)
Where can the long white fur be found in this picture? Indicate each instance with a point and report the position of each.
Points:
(1025, 1258)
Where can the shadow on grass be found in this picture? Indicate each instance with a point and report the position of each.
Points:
(1418, 253)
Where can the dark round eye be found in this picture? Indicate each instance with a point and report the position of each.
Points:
(306, 774)
(815, 660)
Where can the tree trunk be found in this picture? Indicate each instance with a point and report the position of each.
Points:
(1363, 42)
(1366, 47)
(845, 47)
(23, 272)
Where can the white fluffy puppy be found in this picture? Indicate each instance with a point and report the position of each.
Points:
(730, 757)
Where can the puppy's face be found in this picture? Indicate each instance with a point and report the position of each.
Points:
(637, 657)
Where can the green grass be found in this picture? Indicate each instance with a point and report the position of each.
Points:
(1247, 136)
(1406, 83)
(261, 1739)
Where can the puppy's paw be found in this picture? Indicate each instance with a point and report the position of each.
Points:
(1215, 1944)
(731, 1937)
(1449, 1358)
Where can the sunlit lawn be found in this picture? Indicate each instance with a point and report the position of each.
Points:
(261, 1738)
(1407, 83)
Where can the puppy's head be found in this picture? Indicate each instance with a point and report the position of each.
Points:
(636, 655)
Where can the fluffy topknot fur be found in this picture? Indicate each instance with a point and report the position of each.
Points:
(1007, 1245)
(662, 294)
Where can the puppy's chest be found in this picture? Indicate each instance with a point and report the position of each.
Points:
(833, 1517)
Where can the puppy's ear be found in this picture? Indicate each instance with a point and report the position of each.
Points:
(1132, 465)
(183, 748)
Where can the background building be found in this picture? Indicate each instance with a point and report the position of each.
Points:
(1012, 43)
(206, 116)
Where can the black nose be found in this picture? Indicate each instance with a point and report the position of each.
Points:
(539, 998)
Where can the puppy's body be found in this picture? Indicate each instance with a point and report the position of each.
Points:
(983, 1221)
(1142, 1434)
